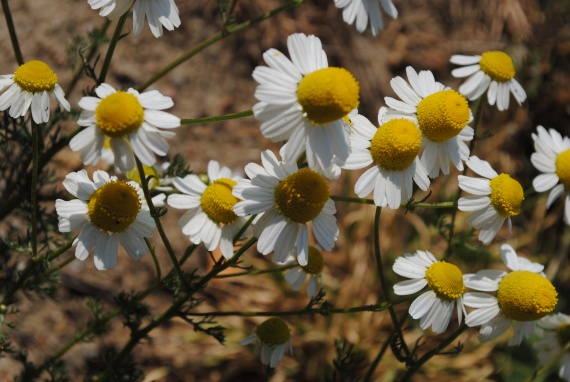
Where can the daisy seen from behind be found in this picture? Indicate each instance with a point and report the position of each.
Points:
(304, 101)
(492, 72)
(524, 296)
(363, 10)
(210, 217)
(296, 277)
(287, 199)
(272, 339)
(552, 157)
(30, 87)
(496, 198)
(159, 13)
(109, 212)
(445, 281)
(133, 122)
(554, 342)
(442, 115)
(393, 148)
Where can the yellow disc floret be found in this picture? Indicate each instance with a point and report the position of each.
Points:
(563, 168)
(526, 296)
(273, 332)
(301, 196)
(218, 201)
(396, 144)
(442, 115)
(148, 171)
(446, 280)
(327, 95)
(35, 77)
(506, 195)
(497, 65)
(119, 114)
(114, 206)
(315, 263)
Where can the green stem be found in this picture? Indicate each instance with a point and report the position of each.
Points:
(111, 49)
(215, 38)
(34, 188)
(258, 272)
(546, 368)
(201, 121)
(349, 199)
(12, 31)
(155, 260)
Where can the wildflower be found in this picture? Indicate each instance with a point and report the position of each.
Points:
(362, 10)
(491, 72)
(496, 199)
(288, 198)
(108, 211)
(524, 296)
(31, 85)
(435, 306)
(296, 277)
(555, 336)
(131, 120)
(304, 101)
(272, 339)
(552, 157)
(442, 115)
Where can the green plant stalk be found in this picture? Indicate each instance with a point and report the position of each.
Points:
(12, 32)
(201, 121)
(349, 199)
(215, 38)
(155, 260)
(34, 188)
(546, 368)
(112, 45)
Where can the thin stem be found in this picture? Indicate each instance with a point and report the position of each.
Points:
(111, 49)
(546, 368)
(155, 260)
(12, 31)
(257, 272)
(34, 189)
(201, 121)
(349, 199)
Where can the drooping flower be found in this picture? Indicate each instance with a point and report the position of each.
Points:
(363, 10)
(297, 276)
(272, 339)
(555, 336)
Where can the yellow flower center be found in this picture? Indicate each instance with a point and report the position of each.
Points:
(506, 195)
(119, 114)
(396, 144)
(273, 332)
(563, 334)
(301, 196)
(148, 171)
(526, 296)
(218, 201)
(315, 262)
(446, 280)
(35, 77)
(563, 168)
(327, 95)
(442, 115)
(114, 206)
(497, 65)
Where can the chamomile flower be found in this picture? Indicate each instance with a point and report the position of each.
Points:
(131, 120)
(442, 115)
(496, 199)
(555, 337)
(303, 101)
(552, 157)
(210, 218)
(493, 72)
(288, 198)
(393, 148)
(296, 277)
(108, 211)
(160, 13)
(524, 296)
(445, 281)
(362, 10)
(30, 86)
(272, 339)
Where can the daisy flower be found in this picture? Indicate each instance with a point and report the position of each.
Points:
(524, 296)
(158, 12)
(131, 120)
(272, 339)
(296, 277)
(442, 115)
(552, 157)
(210, 217)
(362, 10)
(393, 148)
(108, 211)
(493, 71)
(303, 101)
(31, 85)
(288, 198)
(496, 199)
(555, 337)
(445, 281)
